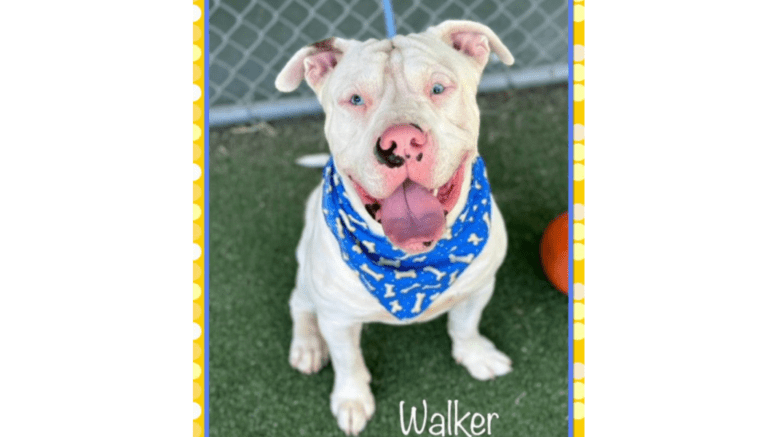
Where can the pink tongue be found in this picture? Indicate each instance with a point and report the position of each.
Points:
(411, 216)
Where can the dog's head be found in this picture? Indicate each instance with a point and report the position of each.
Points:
(402, 121)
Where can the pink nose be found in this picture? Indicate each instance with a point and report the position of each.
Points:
(398, 143)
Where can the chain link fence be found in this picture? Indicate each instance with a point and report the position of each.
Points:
(251, 40)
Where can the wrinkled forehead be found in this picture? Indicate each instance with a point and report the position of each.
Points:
(373, 60)
(364, 62)
(423, 49)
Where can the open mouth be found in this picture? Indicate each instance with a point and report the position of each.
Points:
(413, 216)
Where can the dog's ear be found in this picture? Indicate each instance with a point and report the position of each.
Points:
(313, 63)
(472, 39)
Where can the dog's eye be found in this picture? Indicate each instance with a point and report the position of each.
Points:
(438, 88)
(357, 100)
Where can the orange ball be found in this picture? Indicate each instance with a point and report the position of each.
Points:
(554, 252)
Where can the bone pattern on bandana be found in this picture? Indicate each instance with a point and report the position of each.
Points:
(407, 284)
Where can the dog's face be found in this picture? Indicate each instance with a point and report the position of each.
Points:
(402, 121)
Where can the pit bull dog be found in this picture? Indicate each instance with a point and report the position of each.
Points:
(403, 227)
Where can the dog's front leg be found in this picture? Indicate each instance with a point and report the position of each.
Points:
(352, 402)
(308, 352)
(470, 348)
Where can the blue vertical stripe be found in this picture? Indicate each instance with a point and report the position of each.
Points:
(388, 14)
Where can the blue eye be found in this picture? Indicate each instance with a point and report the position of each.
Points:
(356, 100)
(438, 89)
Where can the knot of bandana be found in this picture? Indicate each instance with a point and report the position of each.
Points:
(406, 284)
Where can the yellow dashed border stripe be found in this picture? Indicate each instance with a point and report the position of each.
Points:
(578, 217)
(199, 132)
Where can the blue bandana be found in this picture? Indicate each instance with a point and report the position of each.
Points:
(406, 284)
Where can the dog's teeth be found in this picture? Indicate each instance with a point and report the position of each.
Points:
(436, 190)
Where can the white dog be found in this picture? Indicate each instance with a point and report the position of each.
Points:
(403, 227)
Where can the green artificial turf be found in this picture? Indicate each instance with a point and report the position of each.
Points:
(257, 195)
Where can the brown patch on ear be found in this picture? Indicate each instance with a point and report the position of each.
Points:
(311, 63)
(328, 45)
(325, 44)
(322, 61)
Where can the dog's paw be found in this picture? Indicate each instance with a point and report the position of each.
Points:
(308, 354)
(353, 408)
(481, 358)
(352, 418)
